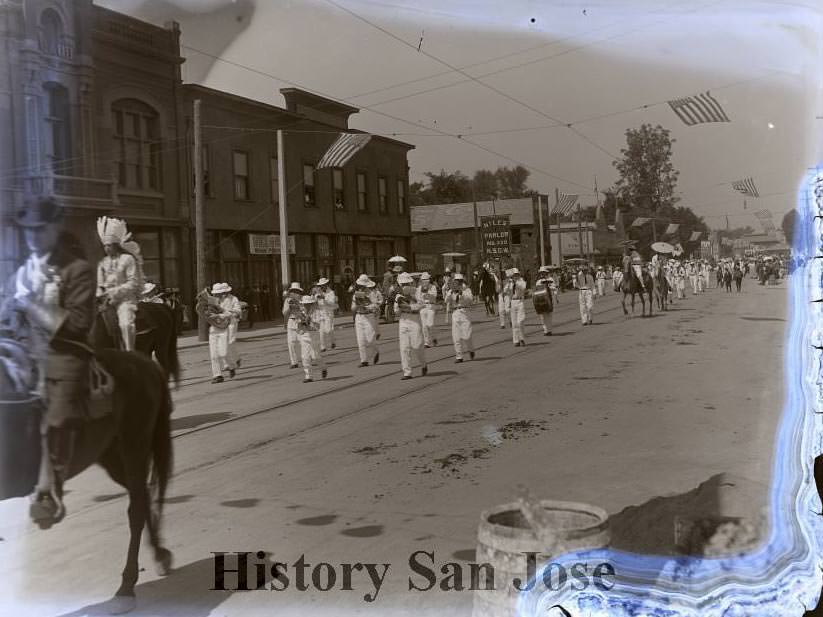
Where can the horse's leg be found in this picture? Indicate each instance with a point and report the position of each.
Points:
(154, 513)
(623, 302)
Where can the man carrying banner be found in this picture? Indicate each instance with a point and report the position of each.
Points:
(518, 307)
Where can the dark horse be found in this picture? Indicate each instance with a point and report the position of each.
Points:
(156, 334)
(132, 442)
(488, 292)
(630, 285)
(661, 289)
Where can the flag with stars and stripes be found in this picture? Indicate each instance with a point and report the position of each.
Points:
(698, 109)
(746, 186)
(343, 149)
(565, 203)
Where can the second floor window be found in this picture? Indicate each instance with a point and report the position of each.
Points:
(401, 197)
(136, 145)
(382, 196)
(309, 197)
(362, 193)
(58, 122)
(242, 188)
(337, 189)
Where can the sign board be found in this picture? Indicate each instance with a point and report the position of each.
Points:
(268, 244)
(496, 233)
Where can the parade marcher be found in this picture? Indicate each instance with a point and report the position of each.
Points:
(617, 278)
(119, 275)
(585, 286)
(445, 289)
(737, 275)
(680, 280)
(52, 309)
(601, 281)
(366, 304)
(518, 307)
(407, 307)
(427, 296)
(459, 298)
(327, 305)
(151, 294)
(230, 304)
(692, 270)
(543, 300)
(292, 310)
(308, 332)
(633, 265)
(219, 310)
(504, 299)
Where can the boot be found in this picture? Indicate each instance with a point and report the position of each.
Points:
(47, 506)
(129, 334)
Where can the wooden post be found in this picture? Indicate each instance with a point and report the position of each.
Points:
(199, 218)
(559, 229)
(540, 225)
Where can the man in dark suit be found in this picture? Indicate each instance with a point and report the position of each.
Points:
(53, 303)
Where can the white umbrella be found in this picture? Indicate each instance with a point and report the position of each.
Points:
(397, 259)
(662, 247)
(453, 254)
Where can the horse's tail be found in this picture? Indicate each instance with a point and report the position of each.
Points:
(163, 458)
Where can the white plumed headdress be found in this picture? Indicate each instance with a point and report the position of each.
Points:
(112, 230)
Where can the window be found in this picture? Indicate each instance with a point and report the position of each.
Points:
(515, 235)
(58, 123)
(382, 196)
(309, 197)
(136, 145)
(51, 31)
(401, 197)
(362, 193)
(323, 246)
(274, 174)
(240, 160)
(337, 189)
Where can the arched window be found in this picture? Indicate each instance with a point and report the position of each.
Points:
(59, 129)
(51, 27)
(136, 145)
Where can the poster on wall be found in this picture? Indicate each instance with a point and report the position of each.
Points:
(496, 233)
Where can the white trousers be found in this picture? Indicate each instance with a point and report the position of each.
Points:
(503, 308)
(518, 317)
(293, 342)
(326, 330)
(586, 305)
(411, 344)
(219, 350)
(461, 333)
(126, 315)
(693, 280)
(427, 324)
(601, 287)
(310, 352)
(365, 327)
(233, 356)
(546, 320)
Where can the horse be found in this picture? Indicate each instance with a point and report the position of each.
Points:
(156, 335)
(661, 288)
(630, 285)
(132, 442)
(488, 292)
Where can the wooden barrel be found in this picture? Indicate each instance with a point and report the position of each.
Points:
(504, 535)
(19, 446)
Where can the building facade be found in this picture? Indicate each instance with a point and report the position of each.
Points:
(94, 112)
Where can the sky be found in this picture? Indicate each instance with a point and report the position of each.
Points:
(481, 84)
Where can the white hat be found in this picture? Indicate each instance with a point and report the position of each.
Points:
(323, 281)
(148, 288)
(599, 267)
(220, 288)
(404, 278)
(295, 286)
(364, 281)
(459, 277)
(307, 300)
(544, 269)
(514, 271)
(425, 276)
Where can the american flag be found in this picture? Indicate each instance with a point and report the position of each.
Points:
(565, 203)
(746, 186)
(343, 149)
(698, 109)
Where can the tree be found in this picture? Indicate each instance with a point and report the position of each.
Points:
(455, 187)
(787, 225)
(647, 176)
(511, 182)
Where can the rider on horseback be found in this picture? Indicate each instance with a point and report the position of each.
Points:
(633, 265)
(54, 305)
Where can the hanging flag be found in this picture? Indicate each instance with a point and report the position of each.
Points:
(698, 109)
(640, 221)
(672, 229)
(695, 236)
(565, 202)
(343, 149)
(746, 186)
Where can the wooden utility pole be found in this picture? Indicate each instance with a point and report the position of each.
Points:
(539, 203)
(283, 208)
(559, 228)
(199, 218)
(549, 226)
(579, 229)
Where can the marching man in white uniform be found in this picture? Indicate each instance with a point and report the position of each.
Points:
(291, 314)
(213, 311)
(231, 306)
(365, 304)
(543, 299)
(585, 283)
(327, 304)
(601, 281)
(504, 298)
(518, 307)
(427, 296)
(459, 299)
(119, 276)
(447, 285)
(408, 308)
(308, 333)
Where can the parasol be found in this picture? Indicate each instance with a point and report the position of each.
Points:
(453, 254)
(397, 259)
(662, 247)
(576, 260)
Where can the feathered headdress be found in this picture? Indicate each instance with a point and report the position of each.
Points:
(112, 230)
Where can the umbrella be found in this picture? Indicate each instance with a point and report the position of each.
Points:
(397, 259)
(662, 247)
(627, 242)
(577, 260)
(453, 254)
